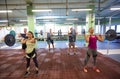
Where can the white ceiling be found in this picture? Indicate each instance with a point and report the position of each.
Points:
(58, 9)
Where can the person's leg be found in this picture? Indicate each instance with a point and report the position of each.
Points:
(48, 42)
(94, 60)
(94, 53)
(86, 60)
(23, 51)
(69, 48)
(36, 63)
(52, 43)
(27, 66)
(74, 49)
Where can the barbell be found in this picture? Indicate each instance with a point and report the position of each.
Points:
(10, 40)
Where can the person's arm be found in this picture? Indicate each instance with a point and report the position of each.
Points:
(23, 41)
(87, 38)
(33, 40)
(76, 33)
(100, 38)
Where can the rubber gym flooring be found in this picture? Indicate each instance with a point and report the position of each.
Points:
(57, 64)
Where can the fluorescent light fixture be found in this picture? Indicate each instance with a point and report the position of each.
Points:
(46, 10)
(3, 20)
(23, 20)
(114, 8)
(5, 11)
(68, 23)
(49, 17)
(72, 19)
(81, 9)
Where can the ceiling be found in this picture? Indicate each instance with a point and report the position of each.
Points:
(60, 8)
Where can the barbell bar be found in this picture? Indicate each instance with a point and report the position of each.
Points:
(10, 40)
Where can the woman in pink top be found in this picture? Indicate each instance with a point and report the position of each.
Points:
(92, 48)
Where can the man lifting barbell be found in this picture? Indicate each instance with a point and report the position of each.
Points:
(72, 39)
(92, 48)
(50, 39)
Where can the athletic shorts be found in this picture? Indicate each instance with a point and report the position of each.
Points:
(71, 44)
(50, 41)
(24, 46)
(92, 51)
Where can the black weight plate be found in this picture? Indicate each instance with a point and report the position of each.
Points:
(9, 40)
(110, 35)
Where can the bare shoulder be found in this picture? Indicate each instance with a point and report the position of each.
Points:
(33, 38)
(87, 35)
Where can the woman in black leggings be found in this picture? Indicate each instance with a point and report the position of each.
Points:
(30, 52)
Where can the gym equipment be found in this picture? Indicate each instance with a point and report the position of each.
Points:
(110, 35)
(12, 32)
(10, 40)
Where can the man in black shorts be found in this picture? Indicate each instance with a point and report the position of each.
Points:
(49, 39)
(72, 39)
(24, 36)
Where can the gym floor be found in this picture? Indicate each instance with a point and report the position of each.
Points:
(58, 64)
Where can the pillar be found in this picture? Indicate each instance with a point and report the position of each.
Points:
(30, 17)
(90, 19)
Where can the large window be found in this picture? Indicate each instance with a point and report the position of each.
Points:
(107, 28)
(97, 29)
(113, 27)
(118, 29)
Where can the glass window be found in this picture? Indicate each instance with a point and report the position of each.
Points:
(97, 29)
(118, 29)
(113, 27)
(107, 28)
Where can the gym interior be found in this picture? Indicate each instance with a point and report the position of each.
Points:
(39, 16)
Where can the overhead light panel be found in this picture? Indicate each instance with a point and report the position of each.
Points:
(81, 9)
(5, 11)
(72, 19)
(46, 10)
(114, 8)
(68, 23)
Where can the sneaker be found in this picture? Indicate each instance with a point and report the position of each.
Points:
(26, 74)
(36, 72)
(68, 53)
(74, 53)
(96, 69)
(85, 69)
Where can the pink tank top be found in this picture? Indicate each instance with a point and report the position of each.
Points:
(92, 42)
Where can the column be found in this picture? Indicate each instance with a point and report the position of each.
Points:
(30, 17)
(90, 19)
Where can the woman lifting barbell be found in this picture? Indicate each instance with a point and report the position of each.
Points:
(30, 52)
(92, 48)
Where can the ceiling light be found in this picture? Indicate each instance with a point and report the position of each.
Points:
(68, 23)
(46, 10)
(72, 19)
(3, 20)
(81, 9)
(5, 11)
(114, 8)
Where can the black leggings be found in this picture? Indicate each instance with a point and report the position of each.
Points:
(28, 62)
(34, 58)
